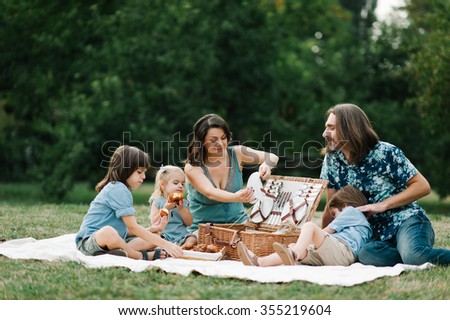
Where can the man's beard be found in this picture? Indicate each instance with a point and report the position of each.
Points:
(332, 146)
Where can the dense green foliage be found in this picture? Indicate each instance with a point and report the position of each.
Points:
(429, 68)
(81, 77)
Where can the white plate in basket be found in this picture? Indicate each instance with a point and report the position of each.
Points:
(254, 182)
(261, 209)
(295, 209)
(197, 255)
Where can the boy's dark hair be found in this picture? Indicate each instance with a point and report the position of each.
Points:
(347, 196)
(196, 151)
(124, 161)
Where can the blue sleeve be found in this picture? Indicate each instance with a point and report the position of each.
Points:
(160, 202)
(349, 217)
(120, 200)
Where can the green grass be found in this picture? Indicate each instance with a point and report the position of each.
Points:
(24, 213)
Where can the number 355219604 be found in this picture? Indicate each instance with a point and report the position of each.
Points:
(295, 310)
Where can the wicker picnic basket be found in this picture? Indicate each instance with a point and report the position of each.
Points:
(259, 237)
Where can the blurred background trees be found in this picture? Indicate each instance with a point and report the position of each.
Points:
(80, 78)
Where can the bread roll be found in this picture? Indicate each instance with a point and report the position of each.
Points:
(164, 212)
(175, 196)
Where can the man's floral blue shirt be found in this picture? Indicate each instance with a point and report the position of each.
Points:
(381, 174)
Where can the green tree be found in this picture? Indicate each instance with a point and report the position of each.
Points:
(80, 78)
(428, 71)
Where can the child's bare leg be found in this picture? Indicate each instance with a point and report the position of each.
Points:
(109, 238)
(270, 260)
(139, 244)
(310, 233)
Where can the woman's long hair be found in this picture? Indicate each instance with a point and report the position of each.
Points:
(196, 154)
(354, 130)
(124, 161)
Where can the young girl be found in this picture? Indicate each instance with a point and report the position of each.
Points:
(110, 222)
(337, 244)
(171, 179)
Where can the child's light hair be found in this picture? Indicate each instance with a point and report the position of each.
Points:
(163, 175)
(347, 196)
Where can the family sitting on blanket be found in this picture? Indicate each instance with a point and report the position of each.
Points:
(215, 194)
(354, 156)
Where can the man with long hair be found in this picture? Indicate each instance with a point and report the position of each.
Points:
(354, 155)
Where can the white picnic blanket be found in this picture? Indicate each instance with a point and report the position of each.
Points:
(63, 248)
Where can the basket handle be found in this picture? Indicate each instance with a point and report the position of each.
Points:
(232, 243)
(208, 228)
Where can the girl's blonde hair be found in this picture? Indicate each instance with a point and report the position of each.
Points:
(163, 175)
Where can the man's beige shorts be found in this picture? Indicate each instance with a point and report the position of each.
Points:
(332, 252)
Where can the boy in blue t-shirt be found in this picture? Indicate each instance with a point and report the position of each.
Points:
(337, 244)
